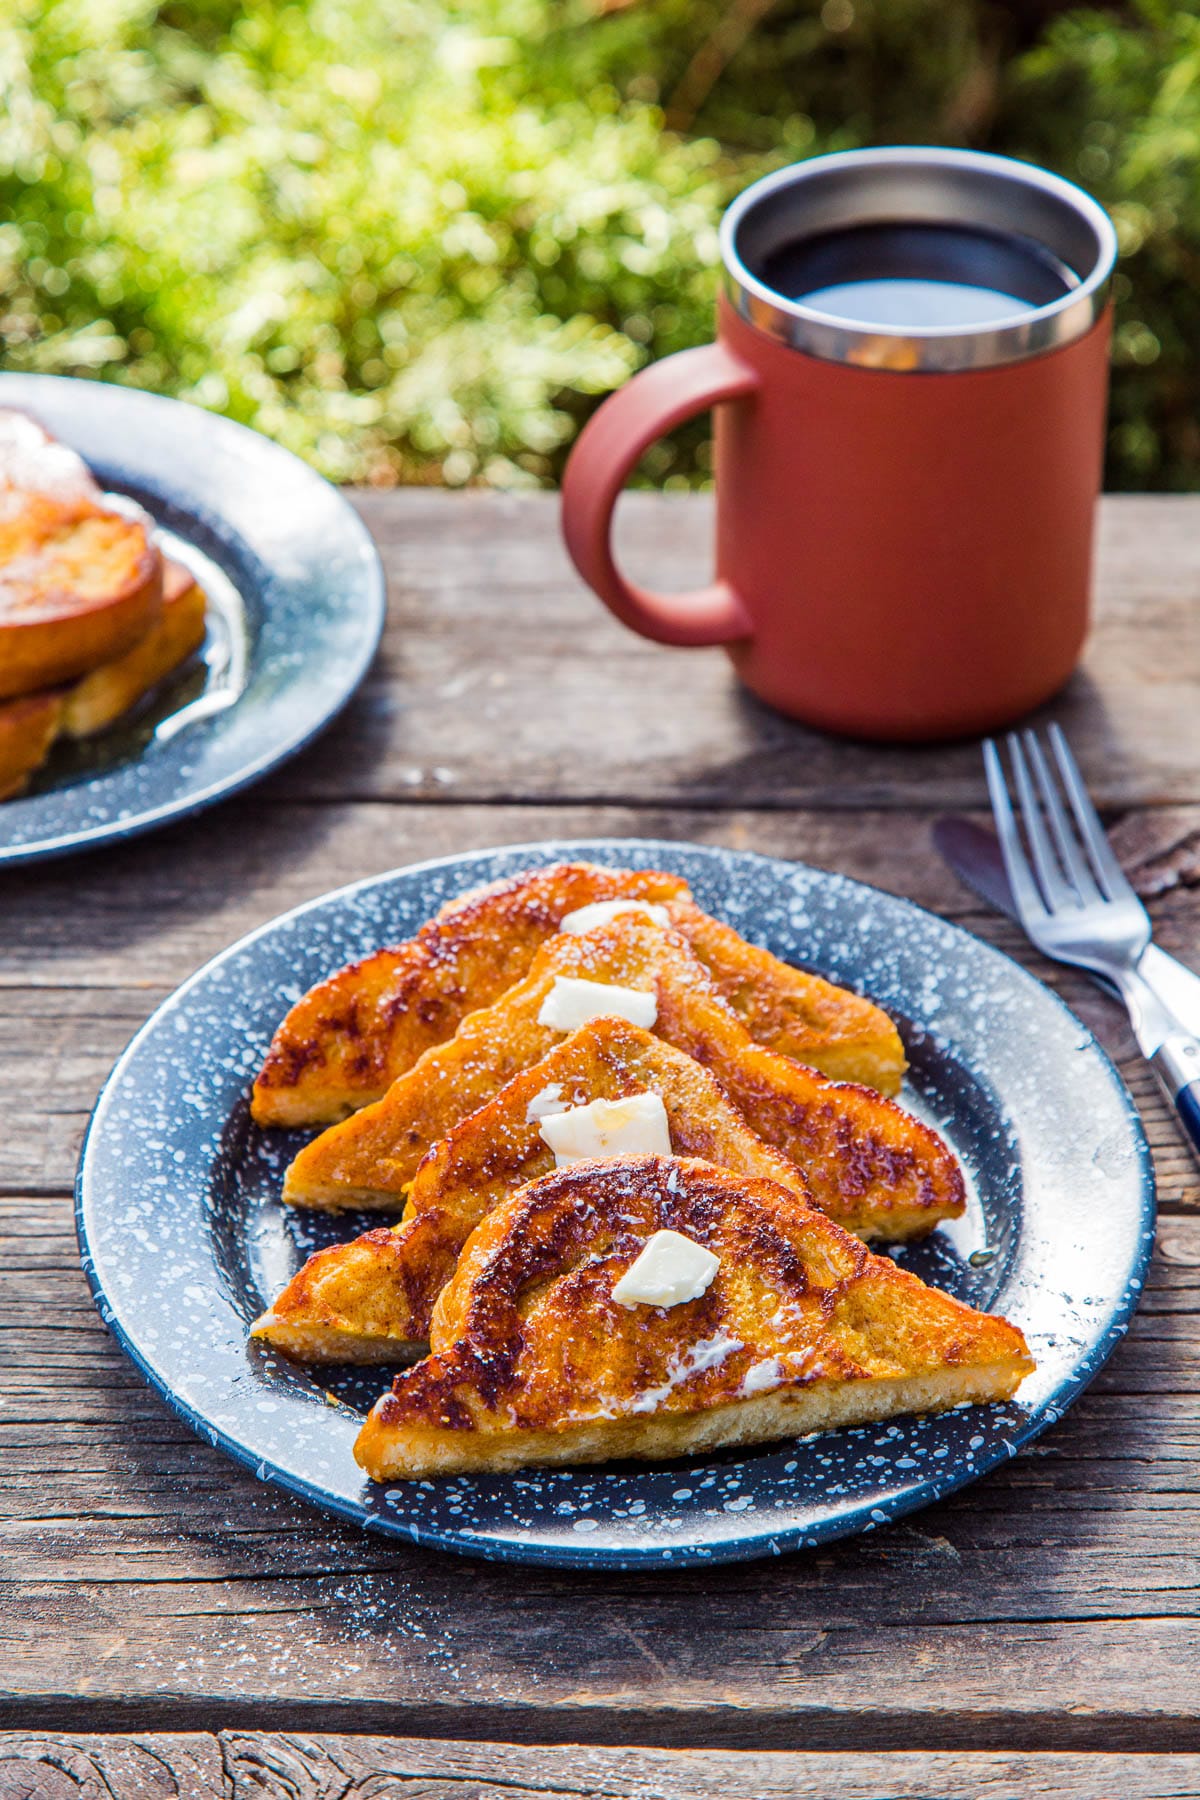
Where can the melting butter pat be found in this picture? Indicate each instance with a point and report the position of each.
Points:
(671, 1269)
(763, 1375)
(635, 1126)
(586, 918)
(546, 1100)
(571, 1003)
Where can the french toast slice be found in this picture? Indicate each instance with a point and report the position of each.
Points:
(80, 582)
(106, 693)
(29, 725)
(832, 1029)
(534, 1360)
(371, 1300)
(345, 1041)
(870, 1165)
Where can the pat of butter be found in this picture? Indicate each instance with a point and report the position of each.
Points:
(763, 1375)
(586, 918)
(671, 1269)
(546, 1100)
(635, 1126)
(571, 1003)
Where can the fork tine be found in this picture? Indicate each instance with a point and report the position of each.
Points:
(1109, 873)
(1073, 862)
(1024, 889)
(1055, 890)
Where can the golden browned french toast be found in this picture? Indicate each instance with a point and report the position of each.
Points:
(371, 1300)
(30, 723)
(345, 1042)
(106, 693)
(80, 583)
(28, 726)
(541, 1354)
(802, 1015)
(342, 1045)
(870, 1165)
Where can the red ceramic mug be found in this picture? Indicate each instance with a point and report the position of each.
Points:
(909, 386)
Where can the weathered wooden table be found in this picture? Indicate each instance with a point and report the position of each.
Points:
(170, 1627)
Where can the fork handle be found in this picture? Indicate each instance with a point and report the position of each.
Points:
(1177, 1064)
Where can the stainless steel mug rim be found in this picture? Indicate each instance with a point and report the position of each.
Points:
(914, 183)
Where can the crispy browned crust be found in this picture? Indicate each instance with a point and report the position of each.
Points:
(106, 693)
(869, 1164)
(372, 1299)
(844, 1035)
(346, 1041)
(79, 585)
(532, 1361)
(356, 1302)
(28, 727)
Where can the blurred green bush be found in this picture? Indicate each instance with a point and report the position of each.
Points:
(415, 239)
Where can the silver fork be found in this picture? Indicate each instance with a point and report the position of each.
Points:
(1075, 903)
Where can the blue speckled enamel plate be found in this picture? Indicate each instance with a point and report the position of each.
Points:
(295, 609)
(184, 1240)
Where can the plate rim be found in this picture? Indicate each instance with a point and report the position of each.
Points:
(884, 1509)
(373, 614)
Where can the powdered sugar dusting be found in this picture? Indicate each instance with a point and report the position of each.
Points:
(547, 1100)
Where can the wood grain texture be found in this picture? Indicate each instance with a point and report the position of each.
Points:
(493, 642)
(181, 1767)
(149, 1583)
(347, 1768)
(261, 1766)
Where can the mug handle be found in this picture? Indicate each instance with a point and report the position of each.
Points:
(650, 404)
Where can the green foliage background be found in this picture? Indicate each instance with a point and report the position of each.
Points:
(415, 240)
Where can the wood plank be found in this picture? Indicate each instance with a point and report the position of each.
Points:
(502, 677)
(149, 1583)
(341, 1768)
(999, 1687)
(180, 1767)
(278, 1766)
(150, 911)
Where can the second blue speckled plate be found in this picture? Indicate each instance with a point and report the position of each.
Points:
(295, 609)
(184, 1240)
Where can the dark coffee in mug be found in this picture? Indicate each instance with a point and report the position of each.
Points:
(916, 274)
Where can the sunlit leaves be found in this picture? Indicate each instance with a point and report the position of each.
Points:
(415, 239)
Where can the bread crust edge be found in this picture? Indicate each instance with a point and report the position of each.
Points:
(412, 1453)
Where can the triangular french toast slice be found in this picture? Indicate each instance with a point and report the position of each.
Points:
(371, 1300)
(870, 1165)
(345, 1041)
(541, 1354)
(840, 1033)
